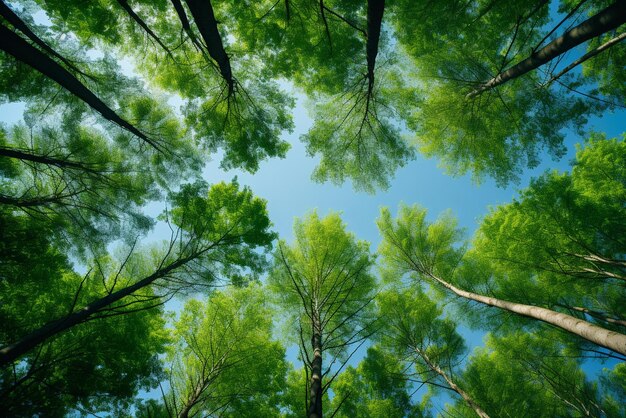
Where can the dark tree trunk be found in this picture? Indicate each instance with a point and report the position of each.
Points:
(19, 24)
(129, 10)
(36, 337)
(375, 10)
(202, 12)
(315, 395)
(24, 155)
(32, 202)
(184, 21)
(13, 44)
(608, 19)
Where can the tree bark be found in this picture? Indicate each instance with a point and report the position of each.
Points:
(466, 397)
(608, 339)
(36, 337)
(606, 20)
(598, 315)
(315, 395)
(14, 45)
(202, 12)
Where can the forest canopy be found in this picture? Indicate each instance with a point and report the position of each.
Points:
(126, 103)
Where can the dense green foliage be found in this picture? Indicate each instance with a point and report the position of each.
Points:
(125, 103)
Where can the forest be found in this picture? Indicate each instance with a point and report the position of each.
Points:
(136, 283)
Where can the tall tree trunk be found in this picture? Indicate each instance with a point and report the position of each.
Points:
(598, 315)
(184, 21)
(13, 19)
(202, 12)
(375, 11)
(36, 337)
(609, 339)
(606, 20)
(315, 395)
(466, 397)
(129, 10)
(13, 44)
(25, 155)
(31, 202)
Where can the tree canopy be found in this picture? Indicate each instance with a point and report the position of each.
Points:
(127, 105)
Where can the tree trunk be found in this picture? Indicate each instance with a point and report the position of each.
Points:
(19, 24)
(375, 10)
(13, 44)
(36, 337)
(129, 10)
(202, 12)
(184, 21)
(25, 155)
(598, 315)
(315, 395)
(606, 20)
(608, 339)
(468, 399)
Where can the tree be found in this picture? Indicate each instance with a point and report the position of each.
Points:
(605, 21)
(324, 284)
(430, 345)
(223, 359)
(460, 45)
(99, 366)
(412, 245)
(553, 383)
(212, 237)
(85, 181)
(375, 388)
(15, 45)
(228, 101)
(563, 237)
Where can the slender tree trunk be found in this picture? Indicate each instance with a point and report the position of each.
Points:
(202, 12)
(13, 44)
(606, 20)
(466, 397)
(43, 159)
(598, 315)
(13, 19)
(587, 56)
(184, 21)
(315, 395)
(184, 413)
(129, 10)
(36, 337)
(609, 339)
(375, 11)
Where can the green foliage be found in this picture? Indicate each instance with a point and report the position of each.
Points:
(412, 244)
(223, 358)
(325, 273)
(563, 237)
(552, 384)
(97, 366)
(460, 45)
(375, 388)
